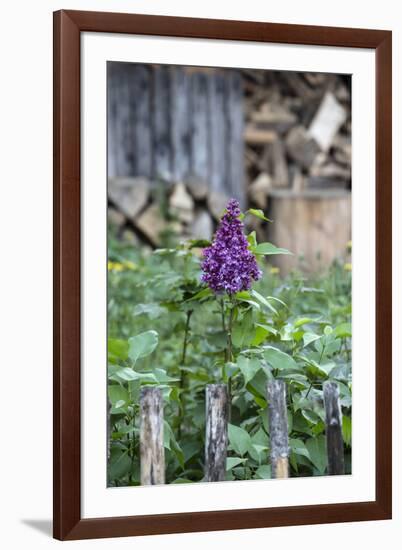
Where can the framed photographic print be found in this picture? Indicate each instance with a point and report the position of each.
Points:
(222, 308)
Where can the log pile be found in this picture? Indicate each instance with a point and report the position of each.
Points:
(297, 132)
(297, 144)
(148, 212)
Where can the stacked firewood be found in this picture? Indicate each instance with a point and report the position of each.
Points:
(297, 140)
(298, 132)
(148, 211)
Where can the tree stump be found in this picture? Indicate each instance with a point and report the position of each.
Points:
(314, 224)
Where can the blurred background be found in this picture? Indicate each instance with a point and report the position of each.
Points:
(183, 140)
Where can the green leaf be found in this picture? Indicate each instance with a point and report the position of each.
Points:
(262, 300)
(311, 416)
(347, 429)
(233, 461)
(198, 243)
(344, 330)
(309, 337)
(268, 249)
(303, 321)
(298, 447)
(164, 378)
(142, 345)
(248, 367)
(117, 349)
(252, 239)
(170, 443)
(264, 472)
(201, 295)
(243, 332)
(127, 374)
(261, 333)
(120, 463)
(318, 453)
(258, 214)
(279, 359)
(117, 395)
(239, 439)
(153, 311)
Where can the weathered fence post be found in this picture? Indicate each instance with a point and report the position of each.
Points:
(333, 419)
(278, 428)
(216, 432)
(152, 451)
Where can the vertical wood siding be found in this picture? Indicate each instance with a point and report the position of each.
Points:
(173, 123)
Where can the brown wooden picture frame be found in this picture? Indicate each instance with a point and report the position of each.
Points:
(68, 26)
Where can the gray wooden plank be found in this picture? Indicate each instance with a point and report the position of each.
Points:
(217, 129)
(199, 125)
(111, 119)
(161, 123)
(141, 109)
(120, 136)
(235, 144)
(180, 123)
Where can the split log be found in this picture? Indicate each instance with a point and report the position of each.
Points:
(115, 217)
(327, 121)
(333, 429)
(257, 136)
(197, 188)
(129, 195)
(202, 228)
(301, 146)
(259, 190)
(274, 116)
(280, 175)
(216, 432)
(181, 203)
(152, 451)
(151, 224)
(278, 428)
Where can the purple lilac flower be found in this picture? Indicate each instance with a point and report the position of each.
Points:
(228, 265)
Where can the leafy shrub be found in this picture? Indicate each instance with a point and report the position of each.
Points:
(168, 328)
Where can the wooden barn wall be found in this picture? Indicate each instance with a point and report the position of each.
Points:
(174, 123)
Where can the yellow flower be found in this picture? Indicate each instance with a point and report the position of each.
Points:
(115, 266)
(349, 245)
(347, 267)
(274, 270)
(121, 266)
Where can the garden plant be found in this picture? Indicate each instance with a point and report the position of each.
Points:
(198, 312)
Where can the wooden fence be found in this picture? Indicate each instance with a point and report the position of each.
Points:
(176, 123)
(216, 434)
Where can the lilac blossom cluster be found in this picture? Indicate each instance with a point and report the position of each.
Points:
(228, 265)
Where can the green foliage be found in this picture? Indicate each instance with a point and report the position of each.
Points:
(167, 329)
